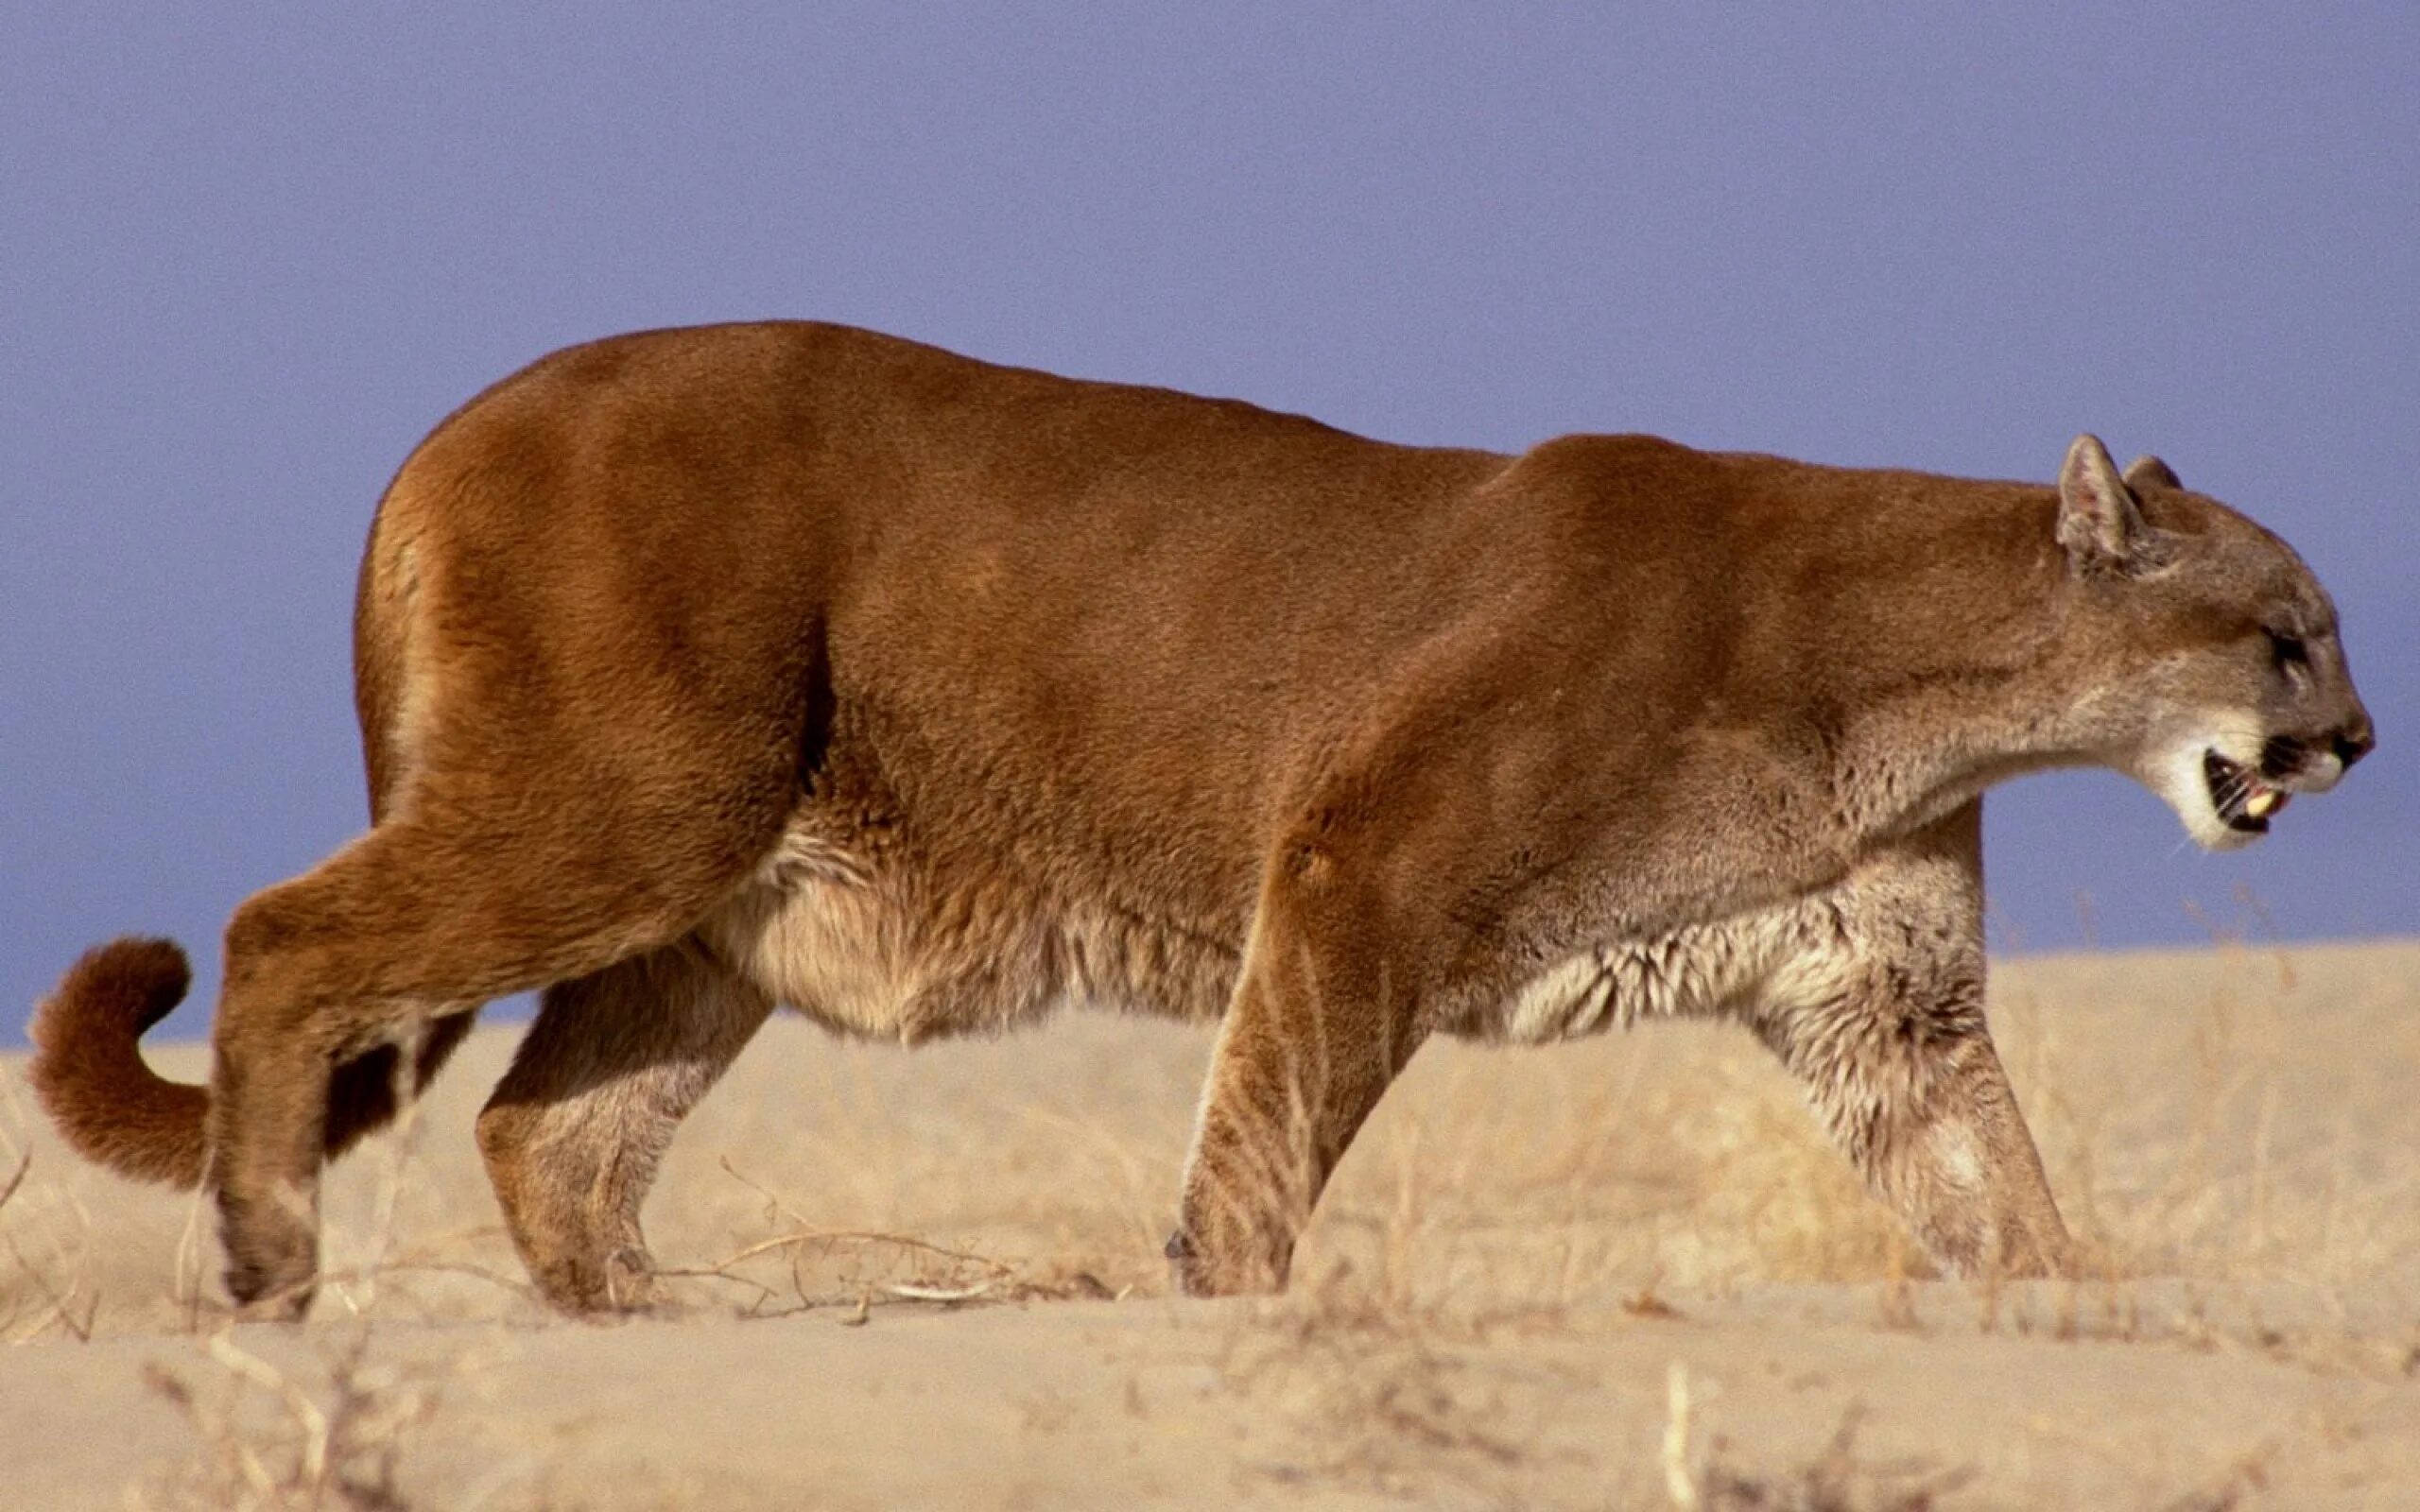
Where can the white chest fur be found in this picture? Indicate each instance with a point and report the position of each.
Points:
(1790, 954)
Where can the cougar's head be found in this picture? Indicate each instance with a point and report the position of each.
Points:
(2210, 652)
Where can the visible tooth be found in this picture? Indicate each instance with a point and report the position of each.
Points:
(2261, 804)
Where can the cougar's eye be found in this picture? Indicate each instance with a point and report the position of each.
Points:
(2291, 656)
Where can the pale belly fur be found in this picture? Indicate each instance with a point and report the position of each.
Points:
(894, 954)
(893, 957)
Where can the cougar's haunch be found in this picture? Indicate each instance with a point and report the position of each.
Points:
(705, 671)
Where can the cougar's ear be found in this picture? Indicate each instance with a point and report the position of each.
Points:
(2148, 472)
(2099, 524)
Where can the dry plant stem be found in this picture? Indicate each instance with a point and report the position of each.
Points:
(189, 1261)
(906, 1293)
(16, 1177)
(340, 1449)
(1680, 1479)
(360, 1292)
(774, 1207)
(60, 1310)
(908, 1241)
(306, 1413)
(998, 1283)
(59, 1303)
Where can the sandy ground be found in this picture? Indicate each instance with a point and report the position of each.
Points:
(1619, 1274)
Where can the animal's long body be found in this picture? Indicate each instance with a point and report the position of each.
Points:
(705, 671)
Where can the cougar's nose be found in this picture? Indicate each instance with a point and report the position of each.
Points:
(2355, 741)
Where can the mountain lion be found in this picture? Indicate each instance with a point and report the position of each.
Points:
(708, 670)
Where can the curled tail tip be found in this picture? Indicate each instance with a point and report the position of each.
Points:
(91, 1078)
(120, 989)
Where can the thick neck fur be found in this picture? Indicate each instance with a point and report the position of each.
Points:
(1959, 681)
(1785, 666)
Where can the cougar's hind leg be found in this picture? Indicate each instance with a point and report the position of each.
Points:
(589, 693)
(357, 953)
(574, 1133)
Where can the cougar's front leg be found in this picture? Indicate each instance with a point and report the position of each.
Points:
(1320, 1023)
(1916, 1098)
(1898, 1061)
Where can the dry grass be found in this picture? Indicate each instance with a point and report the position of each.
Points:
(264, 1443)
(45, 1283)
(1837, 1480)
(1485, 1310)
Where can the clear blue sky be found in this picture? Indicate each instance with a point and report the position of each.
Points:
(249, 254)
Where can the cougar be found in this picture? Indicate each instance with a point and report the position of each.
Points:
(704, 671)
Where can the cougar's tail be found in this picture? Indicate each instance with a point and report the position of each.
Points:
(112, 1107)
(115, 1111)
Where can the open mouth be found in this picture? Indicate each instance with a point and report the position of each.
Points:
(2245, 801)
